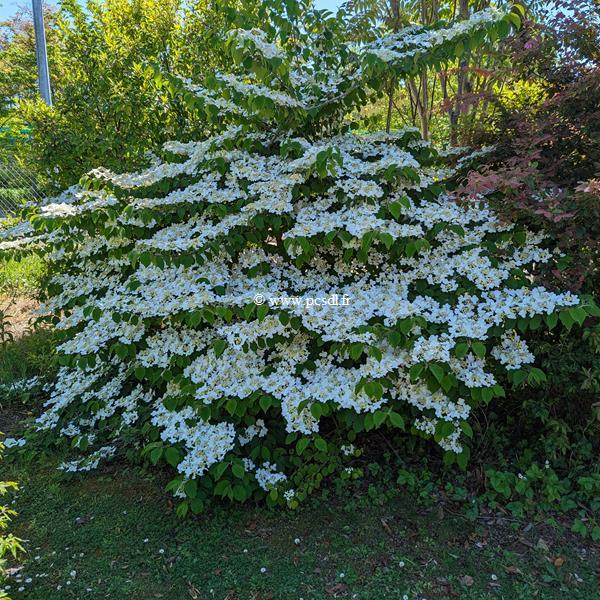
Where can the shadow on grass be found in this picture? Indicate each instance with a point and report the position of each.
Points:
(114, 534)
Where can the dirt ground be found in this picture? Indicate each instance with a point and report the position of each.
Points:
(17, 312)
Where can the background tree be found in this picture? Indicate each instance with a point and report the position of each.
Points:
(437, 91)
(107, 108)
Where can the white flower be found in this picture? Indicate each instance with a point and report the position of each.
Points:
(12, 442)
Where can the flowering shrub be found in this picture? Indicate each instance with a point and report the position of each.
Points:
(197, 299)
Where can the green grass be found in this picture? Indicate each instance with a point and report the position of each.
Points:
(21, 278)
(28, 356)
(118, 531)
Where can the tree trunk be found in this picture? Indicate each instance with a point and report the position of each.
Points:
(462, 83)
(395, 11)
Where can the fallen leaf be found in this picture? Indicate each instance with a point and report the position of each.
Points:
(386, 527)
(512, 569)
(83, 520)
(337, 589)
(542, 545)
(559, 561)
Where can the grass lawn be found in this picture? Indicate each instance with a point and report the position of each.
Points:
(115, 535)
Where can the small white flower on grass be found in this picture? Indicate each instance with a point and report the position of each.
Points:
(494, 577)
(21, 589)
(28, 580)
(297, 541)
(145, 540)
(73, 573)
(401, 563)
(161, 551)
(245, 550)
(263, 569)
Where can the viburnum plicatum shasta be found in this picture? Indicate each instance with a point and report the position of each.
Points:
(251, 301)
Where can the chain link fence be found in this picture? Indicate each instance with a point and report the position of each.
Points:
(16, 188)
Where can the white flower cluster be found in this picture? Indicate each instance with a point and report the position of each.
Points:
(411, 41)
(90, 462)
(13, 442)
(258, 39)
(513, 352)
(21, 385)
(268, 477)
(348, 449)
(258, 429)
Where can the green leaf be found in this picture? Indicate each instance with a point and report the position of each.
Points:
(462, 458)
(155, 455)
(182, 510)
(316, 410)
(395, 209)
(518, 376)
(191, 488)
(437, 372)
(578, 314)
(467, 430)
(301, 445)
(374, 389)
(479, 349)
(265, 402)
(379, 417)
(222, 487)
(321, 444)
(461, 350)
(240, 493)
(396, 420)
(219, 347)
(552, 320)
(356, 350)
(415, 371)
(238, 470)
(261, 311)
(172, 456)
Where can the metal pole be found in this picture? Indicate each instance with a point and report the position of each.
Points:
(41, 53)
